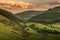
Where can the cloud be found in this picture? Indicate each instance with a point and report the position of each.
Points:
(54, 4)
(17, 5)
(32, 1)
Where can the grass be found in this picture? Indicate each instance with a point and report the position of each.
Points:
(44, 35)
(7, 33)
(6, 29)
(9, 30)
(39, 26)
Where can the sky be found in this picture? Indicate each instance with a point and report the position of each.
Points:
(23, 4)
(33, 1)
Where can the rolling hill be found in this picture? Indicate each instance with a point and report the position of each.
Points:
(9, 26)
(50, 16)
(10, 29)
(28, 14)
(9, 15)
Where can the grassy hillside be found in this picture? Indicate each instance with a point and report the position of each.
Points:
(40, 31)
(47, 23)
(9, 15)
(28, 14)
(50, 16)
(12, 28)
(8, 29)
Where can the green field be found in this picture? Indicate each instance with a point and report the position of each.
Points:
(14, 28)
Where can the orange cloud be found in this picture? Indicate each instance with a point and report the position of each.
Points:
(17, 5)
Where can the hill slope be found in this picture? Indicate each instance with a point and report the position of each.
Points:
(9, 15)
(9, 26)
(50, 16)
(10, 29)
(28, 14)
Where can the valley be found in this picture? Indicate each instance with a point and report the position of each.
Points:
(30, 25)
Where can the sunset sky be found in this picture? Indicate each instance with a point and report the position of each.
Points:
(33, 1)
(18, 5)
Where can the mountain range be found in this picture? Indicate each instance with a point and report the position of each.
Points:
(50, 16)
(28, 14)
(13, 28)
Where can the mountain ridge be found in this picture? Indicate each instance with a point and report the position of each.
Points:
(50, 16)
(8, 15)
(28, 14)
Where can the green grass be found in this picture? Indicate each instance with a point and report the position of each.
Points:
(8, 33)
(44, 35)
(10, 30)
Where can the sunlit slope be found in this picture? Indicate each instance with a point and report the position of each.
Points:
(8, 29)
